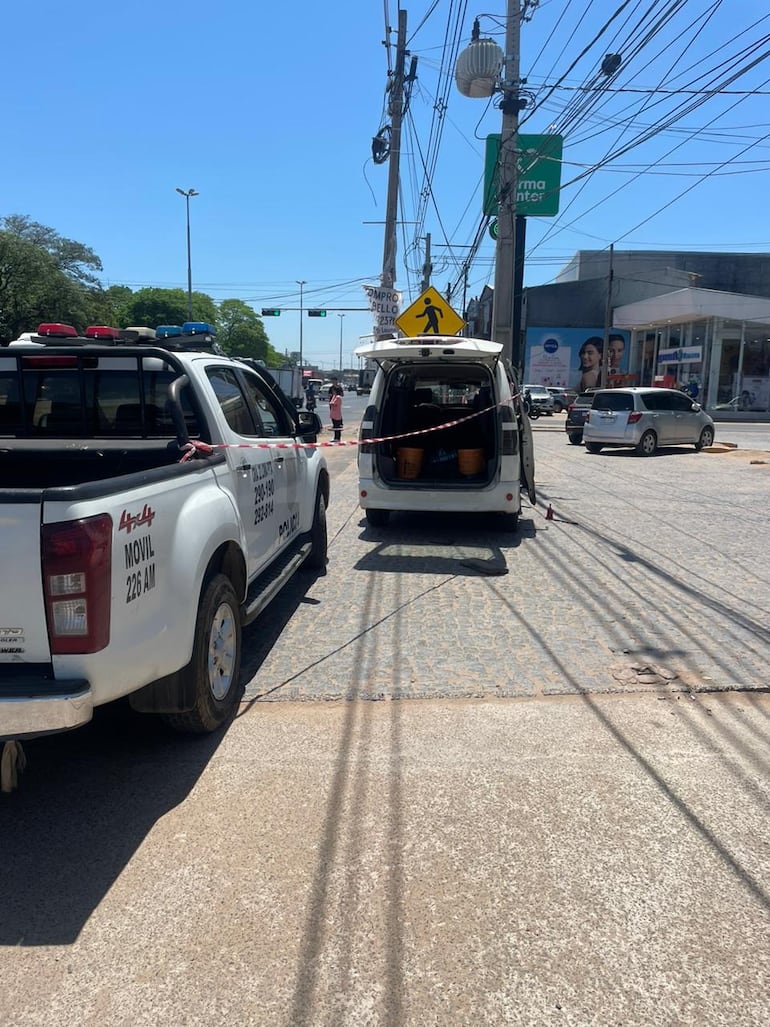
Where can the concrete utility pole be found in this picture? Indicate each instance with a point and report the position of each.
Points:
(395, 110)
(607, 320)
(505, 259)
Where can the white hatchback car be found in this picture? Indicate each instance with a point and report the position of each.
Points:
(444, 430)
(646, 418)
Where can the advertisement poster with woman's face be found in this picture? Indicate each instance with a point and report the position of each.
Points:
(572, 357)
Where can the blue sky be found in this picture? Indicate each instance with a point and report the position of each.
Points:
(269, 111)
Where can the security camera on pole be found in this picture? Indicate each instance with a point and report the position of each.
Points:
(478, 74)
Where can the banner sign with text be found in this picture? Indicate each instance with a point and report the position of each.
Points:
(385, 305)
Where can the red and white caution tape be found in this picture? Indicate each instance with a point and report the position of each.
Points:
(206, 449)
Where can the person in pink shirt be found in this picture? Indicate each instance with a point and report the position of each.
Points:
(336, 392)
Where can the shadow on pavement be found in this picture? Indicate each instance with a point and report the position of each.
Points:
(85, 804)
(441, 544)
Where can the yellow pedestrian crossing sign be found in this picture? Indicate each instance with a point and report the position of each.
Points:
(430, 314)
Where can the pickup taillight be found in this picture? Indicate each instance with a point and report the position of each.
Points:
(77, 583)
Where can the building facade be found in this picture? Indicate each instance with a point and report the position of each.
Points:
(699, 321)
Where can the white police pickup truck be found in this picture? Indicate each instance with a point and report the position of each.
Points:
(154, 497)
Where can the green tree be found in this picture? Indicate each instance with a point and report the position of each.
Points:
(74, 259)
(241, 333)
(153, 307)
(34, 289)
(114, 302)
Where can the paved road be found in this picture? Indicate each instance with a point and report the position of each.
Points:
(545, 837)
(654, 573)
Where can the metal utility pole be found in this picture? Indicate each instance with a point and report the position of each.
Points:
(519, 244)
(607, 320)
(340, 316)
(395, 110)
(427, 267)
(187, 194)
(300, 284)
(505, 258)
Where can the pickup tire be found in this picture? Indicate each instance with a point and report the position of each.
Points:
(216, 660)
(318, 555)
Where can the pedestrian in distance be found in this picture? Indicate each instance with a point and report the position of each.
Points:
(336, 392)
(310, 397)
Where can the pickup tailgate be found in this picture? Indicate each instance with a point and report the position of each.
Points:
(23, 629)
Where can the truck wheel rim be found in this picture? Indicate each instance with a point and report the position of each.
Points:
(221, 660)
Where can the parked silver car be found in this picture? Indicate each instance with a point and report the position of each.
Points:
(646, 418)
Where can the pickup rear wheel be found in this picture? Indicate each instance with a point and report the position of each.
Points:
(317, 557)
(216, 661)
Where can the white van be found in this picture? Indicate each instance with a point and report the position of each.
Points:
(445, 430)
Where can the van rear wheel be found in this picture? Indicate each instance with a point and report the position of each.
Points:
(377, 518)
(509, 521)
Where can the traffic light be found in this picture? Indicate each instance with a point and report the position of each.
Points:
(316, 313)
(272, 312)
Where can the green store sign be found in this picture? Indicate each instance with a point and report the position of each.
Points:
(538, 177)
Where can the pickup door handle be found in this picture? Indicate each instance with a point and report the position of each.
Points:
(245, 469)
(280, 459)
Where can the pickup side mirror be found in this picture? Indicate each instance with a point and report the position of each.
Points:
(175, 408)
(695, 407)
(308, 425)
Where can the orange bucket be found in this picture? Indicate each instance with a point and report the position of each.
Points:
(409, 462)
(470, 461)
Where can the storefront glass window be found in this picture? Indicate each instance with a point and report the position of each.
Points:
(752, 388)
(728, 368)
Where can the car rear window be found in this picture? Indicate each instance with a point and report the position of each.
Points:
(613, 401)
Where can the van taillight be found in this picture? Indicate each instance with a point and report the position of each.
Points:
(634, 416)
(77, 581)
(366, 430)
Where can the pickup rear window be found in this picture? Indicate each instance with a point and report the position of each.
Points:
(90, 396)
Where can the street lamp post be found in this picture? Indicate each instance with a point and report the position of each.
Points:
(340, 316)
(300, 284)
(187, 194)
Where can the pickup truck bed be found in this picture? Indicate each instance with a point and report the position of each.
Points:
(42, 464)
